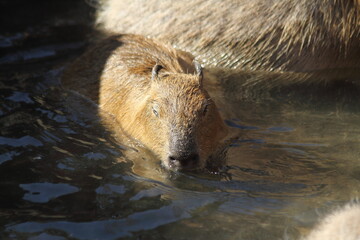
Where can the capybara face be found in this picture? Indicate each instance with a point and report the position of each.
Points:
(182, 126)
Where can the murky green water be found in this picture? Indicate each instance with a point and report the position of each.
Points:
(62, 176)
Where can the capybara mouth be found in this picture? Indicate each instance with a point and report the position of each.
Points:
(183, 161)
(175, 165)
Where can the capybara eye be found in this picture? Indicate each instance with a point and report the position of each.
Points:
(155, 113)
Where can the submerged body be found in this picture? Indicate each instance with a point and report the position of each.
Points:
(156, 96)
(282, 35)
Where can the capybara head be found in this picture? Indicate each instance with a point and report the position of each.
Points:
(154, 94)
(182, 124)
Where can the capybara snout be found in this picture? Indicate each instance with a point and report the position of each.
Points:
(183, 152)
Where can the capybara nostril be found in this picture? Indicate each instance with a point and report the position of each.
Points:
(192, 159)
(184, 160)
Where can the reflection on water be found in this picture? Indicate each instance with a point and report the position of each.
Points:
(62, 176)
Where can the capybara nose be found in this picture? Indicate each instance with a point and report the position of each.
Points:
(186, 161)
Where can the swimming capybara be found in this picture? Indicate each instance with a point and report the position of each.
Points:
(282, 35)
(155, 94)
(343, 224)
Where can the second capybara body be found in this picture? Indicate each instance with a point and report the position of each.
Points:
(156, 96)
(282, 35)
(343, 224)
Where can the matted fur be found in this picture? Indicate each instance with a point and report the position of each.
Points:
(291, 35)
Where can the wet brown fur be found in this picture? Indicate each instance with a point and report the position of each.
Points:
(286, 35)
(117, 74)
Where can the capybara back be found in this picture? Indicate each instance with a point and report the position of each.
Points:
(287, 35)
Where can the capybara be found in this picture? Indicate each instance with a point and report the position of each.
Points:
(343, 224)
(156, 95)
(279, 35)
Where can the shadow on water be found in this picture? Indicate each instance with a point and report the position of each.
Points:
(63, 176)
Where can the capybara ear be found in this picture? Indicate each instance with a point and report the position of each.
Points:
(199, 71)
(155, 71)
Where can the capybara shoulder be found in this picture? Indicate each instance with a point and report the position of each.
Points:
(156, 95)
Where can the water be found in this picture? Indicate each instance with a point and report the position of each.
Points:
(63, 176)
